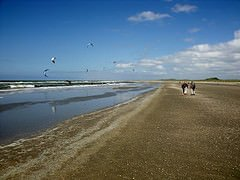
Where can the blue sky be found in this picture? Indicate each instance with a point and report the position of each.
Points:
(146, 39)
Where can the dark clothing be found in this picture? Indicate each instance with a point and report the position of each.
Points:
(184, 85)
(193, 86)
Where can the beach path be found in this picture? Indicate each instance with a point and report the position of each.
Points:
(162, 135)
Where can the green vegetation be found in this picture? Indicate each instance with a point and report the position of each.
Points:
(221, 80)
(212, 79)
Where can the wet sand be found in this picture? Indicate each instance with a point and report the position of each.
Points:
(159, 135)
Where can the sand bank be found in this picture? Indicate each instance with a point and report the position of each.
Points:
(161, 134)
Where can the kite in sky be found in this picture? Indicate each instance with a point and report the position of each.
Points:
(90, 44)
(53, 60)
(45, 72)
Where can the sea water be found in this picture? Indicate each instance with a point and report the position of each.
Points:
(27, 111)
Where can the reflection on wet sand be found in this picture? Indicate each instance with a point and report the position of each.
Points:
(10, 106)
(54, 109)
(34, 111)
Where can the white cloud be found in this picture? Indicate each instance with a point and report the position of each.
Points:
(236, 56)
(149, 63)
(188, 39)
(237, 34)
(234, 43)
(125, 65)
(193, 30)
(201, 47)
(176, 69)
(205, 60)
(184, 8)
(147, 16)
(160, 67)
(198, 61)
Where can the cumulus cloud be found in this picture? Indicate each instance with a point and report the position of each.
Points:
(206, 58)
(147, 16)
(186, 8)
(202, 60)
(146, 66)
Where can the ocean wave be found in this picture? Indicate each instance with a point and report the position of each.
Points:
(12, 86)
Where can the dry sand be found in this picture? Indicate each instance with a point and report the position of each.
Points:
(160, 135)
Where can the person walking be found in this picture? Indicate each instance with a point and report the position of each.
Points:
(184, 88)
(192, 87)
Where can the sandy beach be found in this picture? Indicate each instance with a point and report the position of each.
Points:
(158, 135)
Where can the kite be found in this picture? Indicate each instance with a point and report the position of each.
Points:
(45, 72)
(90, 44)
(53, 60)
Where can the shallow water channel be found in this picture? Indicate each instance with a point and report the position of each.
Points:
(29, 111)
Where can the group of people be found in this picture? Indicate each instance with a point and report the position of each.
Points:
(185, 86)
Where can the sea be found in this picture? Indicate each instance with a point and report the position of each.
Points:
(30, 107)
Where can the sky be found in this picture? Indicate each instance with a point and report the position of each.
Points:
(133, 39)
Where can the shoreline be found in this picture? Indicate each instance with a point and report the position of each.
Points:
(40, 132)
(160, 134)
(81, 131)
(55, 110)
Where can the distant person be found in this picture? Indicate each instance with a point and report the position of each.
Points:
(192, 87)
(184, 88)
